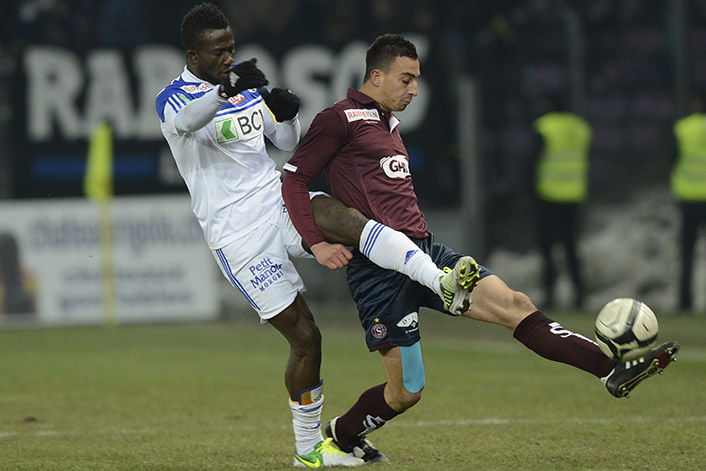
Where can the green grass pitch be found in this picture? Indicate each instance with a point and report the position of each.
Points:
(211, 397)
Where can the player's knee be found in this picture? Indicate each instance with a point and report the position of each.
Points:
(522, 302)
(522, 307)
(307, 336)
(411, 398)
(401, 399)
(311, 334)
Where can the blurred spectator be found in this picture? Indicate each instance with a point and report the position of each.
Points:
(15, 298)
(44, 21)
(268, 22)
(63, 23)
(122, 23)
(560, 185)
(386, 16)
(689, 188)
(342, 23)
(84, 24)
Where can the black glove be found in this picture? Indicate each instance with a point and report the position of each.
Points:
(243, 76)
(283, 103)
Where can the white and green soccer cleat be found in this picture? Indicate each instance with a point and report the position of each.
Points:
(457, 284)
(325, 454)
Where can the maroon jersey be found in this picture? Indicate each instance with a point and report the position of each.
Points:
(359, 147)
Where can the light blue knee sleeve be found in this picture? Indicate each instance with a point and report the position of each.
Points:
(412, 368)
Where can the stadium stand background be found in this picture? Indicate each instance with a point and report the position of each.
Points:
(628, 67)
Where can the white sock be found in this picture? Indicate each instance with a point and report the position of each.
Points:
(306, 422)
(392, 250)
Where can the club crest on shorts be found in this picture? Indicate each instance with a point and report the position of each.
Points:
(379, 331)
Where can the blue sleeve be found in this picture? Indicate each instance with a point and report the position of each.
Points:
(172, 96)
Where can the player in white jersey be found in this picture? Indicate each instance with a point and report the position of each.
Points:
(215, 122)
(215, 116)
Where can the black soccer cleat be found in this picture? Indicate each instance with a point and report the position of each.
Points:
(626, 376)
(363, 449)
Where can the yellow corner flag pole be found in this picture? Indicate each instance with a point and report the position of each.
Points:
(98, 186)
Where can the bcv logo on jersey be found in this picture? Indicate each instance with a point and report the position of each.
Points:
(239, 126)
(395, 166)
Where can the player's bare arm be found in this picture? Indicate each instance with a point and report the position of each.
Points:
(341, 225)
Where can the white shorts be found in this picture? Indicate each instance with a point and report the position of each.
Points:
(259, 264)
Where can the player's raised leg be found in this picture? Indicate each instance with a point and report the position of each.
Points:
(392, 250)
(495, 302)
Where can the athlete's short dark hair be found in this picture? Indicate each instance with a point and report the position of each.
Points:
(384, 50)
(199, 19)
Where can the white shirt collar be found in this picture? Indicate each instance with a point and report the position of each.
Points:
(189, 77)
(393, 122)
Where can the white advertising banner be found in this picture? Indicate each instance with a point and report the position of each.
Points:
(161, 268)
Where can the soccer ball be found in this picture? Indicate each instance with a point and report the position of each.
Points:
(626, 329)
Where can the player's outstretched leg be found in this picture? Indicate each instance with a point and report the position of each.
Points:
(326, 455)
(457, 284)
(363, 449)
(626, 376)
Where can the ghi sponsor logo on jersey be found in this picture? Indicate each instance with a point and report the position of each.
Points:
(410, 322)
(395, 166)
(265, 273)
(357, 115)
(241, 126)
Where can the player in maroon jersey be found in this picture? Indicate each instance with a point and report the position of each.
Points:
(358, 145)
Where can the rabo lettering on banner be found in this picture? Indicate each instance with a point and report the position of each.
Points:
(67, 92)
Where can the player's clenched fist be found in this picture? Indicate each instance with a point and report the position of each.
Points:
(333, 256)
(283, 103)
(243, 76)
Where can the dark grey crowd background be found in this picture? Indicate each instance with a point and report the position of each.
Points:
(629, 67)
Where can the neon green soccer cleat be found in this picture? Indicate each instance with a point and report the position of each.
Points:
(457, 284)
(325, 454)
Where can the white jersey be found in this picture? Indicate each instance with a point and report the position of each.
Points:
(220, 151)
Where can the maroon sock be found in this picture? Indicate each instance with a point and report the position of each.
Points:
(368, 414)
(550, 340)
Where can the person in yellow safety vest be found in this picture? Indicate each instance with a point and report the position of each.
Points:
(561, 162)
(689, 189)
